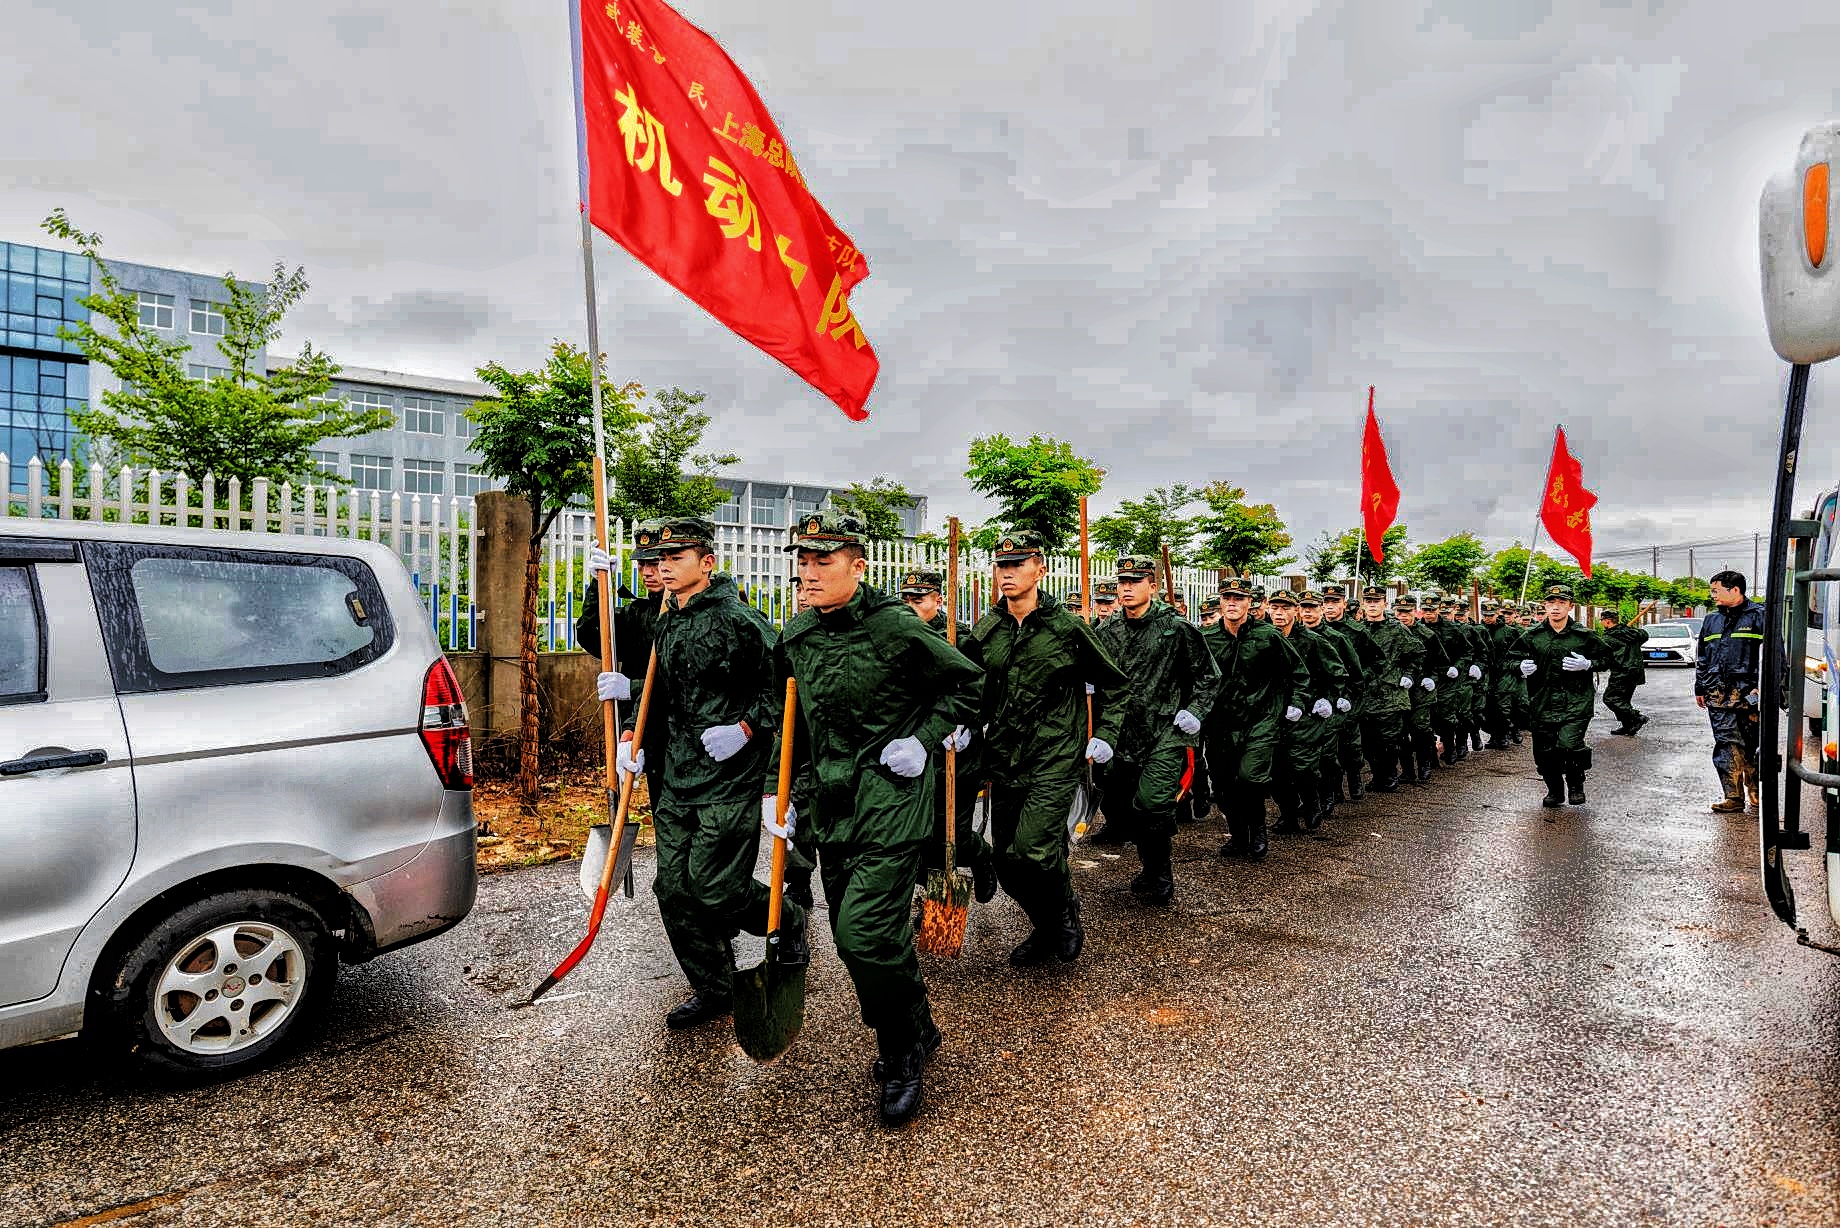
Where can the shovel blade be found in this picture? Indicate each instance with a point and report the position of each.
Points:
(943, 915)
(594, 858)
(769, 1007)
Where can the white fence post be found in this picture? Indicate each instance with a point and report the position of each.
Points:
(153, 497)
(182, 493)
(35, 470)
(67, 496)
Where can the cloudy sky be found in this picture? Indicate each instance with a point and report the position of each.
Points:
(1183, 234)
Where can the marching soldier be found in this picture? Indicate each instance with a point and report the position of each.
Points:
(1256, 611)
(1173, 683)
(1451, 707)
(1387, 724)
(1104, 600)
(878, 695)
(1263, 684)
(634, 623)
(1623, 658)
(1556, 661)
(1358, 655)
(921, 591)
(1039, 661)
(1201, 794)
(1432, 664)
(1210, 611)
(717, 688)
(1310, 739)
(1477, 671)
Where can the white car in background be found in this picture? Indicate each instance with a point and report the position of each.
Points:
(1670, 643)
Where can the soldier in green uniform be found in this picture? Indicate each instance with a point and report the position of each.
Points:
(1210, 611)
(1173, 683)
(1256, 611)
(1104, 600)
(1308, 740)
(878, 694)
(1432, 664)
(1387, 724)
(1623, 658)
(920, 589)
(634, 623)
(716, 688)
(1201, 794)
(1451, 702)
(1476, 675)
(1263, 685)
(1556, 660)
(1040, 662)
(1357, 655)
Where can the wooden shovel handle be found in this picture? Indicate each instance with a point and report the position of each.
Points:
(776, 882)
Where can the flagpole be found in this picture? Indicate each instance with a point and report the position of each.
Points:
(1528, 574)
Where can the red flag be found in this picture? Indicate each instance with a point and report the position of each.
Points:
(1379, 492)
(1566, 508)
(682, 166)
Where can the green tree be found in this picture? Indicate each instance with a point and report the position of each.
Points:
(1448, 565)
(1506, 568)
(537, 437)
(1336, 556)
(1248, 538)
(650, 451)
(247, 423)
(1687, 592)
(1146, 525)
(879, 504)
(1037, 485)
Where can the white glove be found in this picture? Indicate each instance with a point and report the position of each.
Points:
(1451, 672)
(1188, 722)
(1089, 689)
(1342, 705)
(1099, 750)
(1573, 663)
(1430, 684)
(612, 686)
(1322, 707)
(1405, 682)
(904, 757)
(724, 741)
(626, 761)
(1475, 671)
(1527, 667)
(958, 739)
(599, 560)
(1293, 713)
(768, 805)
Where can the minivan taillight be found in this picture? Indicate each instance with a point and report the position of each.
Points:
(444, 728)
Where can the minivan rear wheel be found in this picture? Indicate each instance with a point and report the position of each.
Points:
(222, 984)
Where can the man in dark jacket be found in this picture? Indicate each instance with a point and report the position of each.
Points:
(634, 624)
(1725, 682)
(1311, 738)
(1556, 658)
(1623, 659)
(1263, 684)
(878, 695)
(1039, 660)
(1386, 723)
(1432, 665)
(1173, 682)
(1359, 657)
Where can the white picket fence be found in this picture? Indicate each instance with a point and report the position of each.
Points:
(437, 538)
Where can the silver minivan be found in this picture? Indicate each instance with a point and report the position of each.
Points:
(227, 761)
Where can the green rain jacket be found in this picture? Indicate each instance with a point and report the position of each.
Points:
(1554, 695)
(1034, 707)
(1170, 669)
(1402, 655)
(1260, 675)
(1622, 653)
(870, 672)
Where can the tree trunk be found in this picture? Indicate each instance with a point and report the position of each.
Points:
(529, 733)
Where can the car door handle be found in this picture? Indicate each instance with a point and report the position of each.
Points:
(46, 763)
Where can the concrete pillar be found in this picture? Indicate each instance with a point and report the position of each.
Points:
(505, 526)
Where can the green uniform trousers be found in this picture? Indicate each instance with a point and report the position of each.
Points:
(870, 889)
(1619, 697)
(1558, 746)
(1383, 738)
(1028, 826)
(1144, 794)
(706, 889)
(1349, 739)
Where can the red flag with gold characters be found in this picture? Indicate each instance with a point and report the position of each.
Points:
(1379, 492)
(682, 166)
(1566, 508)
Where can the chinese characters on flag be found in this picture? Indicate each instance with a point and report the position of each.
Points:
(683, 167)
(1565, 509)
(1379, 492)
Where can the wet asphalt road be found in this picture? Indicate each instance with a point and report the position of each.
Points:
(1448, 1006)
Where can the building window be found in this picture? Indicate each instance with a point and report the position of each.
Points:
(204, 372)
(768, 510)
(422, 416)
(372, 472)
(469, 481)
(422, 477)
(326, 462)
(730, 512)
(156, 309)
(207, 317)
(463, 425)
(326, 404)
(801, 507)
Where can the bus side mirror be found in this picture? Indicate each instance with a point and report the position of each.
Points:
(1799, 249)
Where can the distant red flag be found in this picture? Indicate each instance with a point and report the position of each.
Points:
(1565, 509)
(682, 166)
(1379, 492)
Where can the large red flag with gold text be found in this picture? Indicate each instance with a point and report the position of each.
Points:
(1379, 492)
(1565, 509)
(682, 166)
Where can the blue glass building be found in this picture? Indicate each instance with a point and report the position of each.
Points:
(43, 379)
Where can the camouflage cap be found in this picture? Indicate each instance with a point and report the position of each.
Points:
(1334, 593)
(645, 540)
(1233, 586)
(1373, 592)
(1559, 592)
(1258, 592)
(1309, 597)
(1283, 596)
(825, 531)
(1105, 590)
(1407, 602)
(1209, 604)
(677, 533)
(1018, 544)
(918, 583)
(1135, 566)
(1448, 602)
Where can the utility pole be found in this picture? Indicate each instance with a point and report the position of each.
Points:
(1691, 573)
(1655, 566)
(1756, 556)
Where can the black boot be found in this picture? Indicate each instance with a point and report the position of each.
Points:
(798, 887)
(1387, 771)
(1039, 947)
(930, 1040)
(792, 951)
(1555, 790)
(1256, 844)
(1309, 805)
(901, 1088)
(1356, 791)
(1072, 933)
(1574, 787)
(697, 1010)
(1426, 749)
(984, 877)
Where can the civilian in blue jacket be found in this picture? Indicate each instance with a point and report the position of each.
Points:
(1725, 683)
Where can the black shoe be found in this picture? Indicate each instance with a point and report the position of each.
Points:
(1356, 791)
(1233, 849)
(1622, 731)
(1496, 744)
(1073, 934)
(1636, 728)
(1424, 773)
(901, 1086)
(792, 949)
(1037, 948)
(1515, 738)
(1257, 845)
(984, 879)
(930, 1040)
(696, 1011)
(1384, 784)
(1155, 886)
(1108, 833)
(798, 890)
(1574, 789)
(1555, 793)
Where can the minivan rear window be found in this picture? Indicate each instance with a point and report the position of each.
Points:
(22, 638)
(187, 617)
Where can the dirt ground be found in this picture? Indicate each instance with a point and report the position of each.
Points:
(511, 836)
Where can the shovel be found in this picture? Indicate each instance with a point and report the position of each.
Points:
(770, 997)
(947, 904)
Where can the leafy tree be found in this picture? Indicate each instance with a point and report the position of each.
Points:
(1146, 525)
(537, 437)
(1336, 557)
(879, 505)
(649, 453)
(1506, 569)
(1448, 565)
(246, 423)
(1687, 592)
(1037, 485)
(1248, 538)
